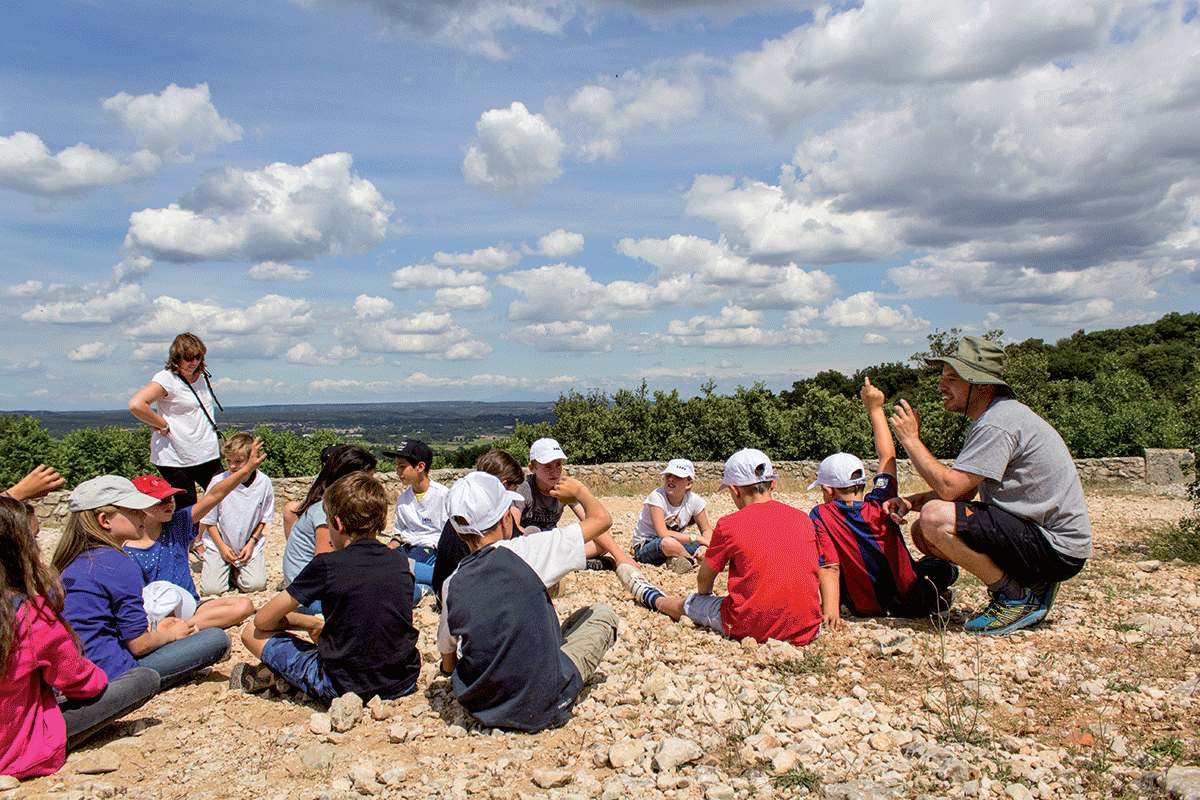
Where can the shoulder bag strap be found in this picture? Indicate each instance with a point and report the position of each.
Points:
(201, 402)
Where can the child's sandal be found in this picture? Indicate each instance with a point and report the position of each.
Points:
(250, 679)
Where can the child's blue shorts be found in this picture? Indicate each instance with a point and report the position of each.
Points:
(298, 663)
(650, 552)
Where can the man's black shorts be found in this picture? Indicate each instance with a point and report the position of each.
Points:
(1017, 545)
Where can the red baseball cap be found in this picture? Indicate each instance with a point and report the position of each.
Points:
(155, 487)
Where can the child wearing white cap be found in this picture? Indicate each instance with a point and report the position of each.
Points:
(541, 509)
(773, 554)
(662, 533)
(877, 574)
(509, 661)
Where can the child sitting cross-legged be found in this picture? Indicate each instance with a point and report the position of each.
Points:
(773, 555)
(161, 548)
(367, 643)
(509, 661)
(669, 511)
(878, 575)
(234, 531)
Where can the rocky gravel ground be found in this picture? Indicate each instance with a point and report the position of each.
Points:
(1099, 701)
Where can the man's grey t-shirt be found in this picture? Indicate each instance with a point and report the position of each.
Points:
(1028, 472)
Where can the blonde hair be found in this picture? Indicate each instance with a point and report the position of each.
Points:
(237, 445)
(83, 531)
(186, 345)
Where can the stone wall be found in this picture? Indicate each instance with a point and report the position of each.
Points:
(1159, 469)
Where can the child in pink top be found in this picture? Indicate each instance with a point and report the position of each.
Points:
(40, 655)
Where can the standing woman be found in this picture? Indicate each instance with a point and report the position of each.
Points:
(184, 445)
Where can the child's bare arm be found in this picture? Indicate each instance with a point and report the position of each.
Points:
(596, 519)
(885, 448)
(829, 578)
(38, 483)
(251, 543)
(705, 578)
(222, 489)
(279, 615)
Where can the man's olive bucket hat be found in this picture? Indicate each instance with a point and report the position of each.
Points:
(977, 361)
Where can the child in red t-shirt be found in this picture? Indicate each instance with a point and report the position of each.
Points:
(773, 556)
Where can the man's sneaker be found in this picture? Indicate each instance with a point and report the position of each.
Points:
(250, 679)
(1005, 616)
(680, 565)
(1045, 593)
(636, 584)
(595, 564)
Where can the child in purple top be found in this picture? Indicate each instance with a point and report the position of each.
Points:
(104, 589)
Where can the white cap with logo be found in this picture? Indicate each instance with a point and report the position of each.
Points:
(477, 501)
(839, 471)
(748, 467)
(543, 451)
(680, 467)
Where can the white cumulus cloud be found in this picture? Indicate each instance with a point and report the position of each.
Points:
(558, 244)
(862, 310)
(558, 337)
(427, 276)
(27, 165)
(500, 256)
(175, 123)
(92, 351)
(274, 214)
(515, 154)
(274, 271)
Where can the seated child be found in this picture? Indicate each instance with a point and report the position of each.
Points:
(161, 549)
(420, 511)
(40, 655)
(367, 643)
(510, 662)
(541, 509)
(668, 511)
(292, 508)
(773, 554)
(878, 576)
(104, 589)
(235, 529)
(451, 548)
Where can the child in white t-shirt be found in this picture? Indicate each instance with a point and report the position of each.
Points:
(235, 529)
(662, 532)
(420, 511)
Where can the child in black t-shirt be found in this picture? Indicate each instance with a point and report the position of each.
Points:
(367, 643)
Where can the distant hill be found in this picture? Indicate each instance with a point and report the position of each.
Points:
(441, 423)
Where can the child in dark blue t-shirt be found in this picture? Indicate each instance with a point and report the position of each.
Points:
(367, 643)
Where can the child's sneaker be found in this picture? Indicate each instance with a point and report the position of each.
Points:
(250, 679)
(636, 584)
(680, 565)
(1004, 616)
(1045, 593)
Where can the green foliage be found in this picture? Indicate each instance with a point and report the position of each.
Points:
(25, 444)
(110, 450)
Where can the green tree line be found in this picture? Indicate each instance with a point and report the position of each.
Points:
(1109, 393)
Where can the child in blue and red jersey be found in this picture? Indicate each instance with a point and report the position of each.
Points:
(878, 576)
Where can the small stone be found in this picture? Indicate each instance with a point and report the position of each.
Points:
(881, 742)
(98, 762)
(320, 724)
(362, 775)
(397, 733)
(394, 777)
(550, 778)
(719, 792)
(673, 752)
(624, 754)
(317, 757)
(891, 643)
(341, 784)
(8, 782)
(1149, 566)
(784, 761)
(1183, 782)
(345, 711)
(1018, 791)
(378, 710)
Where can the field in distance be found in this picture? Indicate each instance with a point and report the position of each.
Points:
(441, 424)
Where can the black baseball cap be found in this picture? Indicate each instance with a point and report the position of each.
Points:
(413, 450)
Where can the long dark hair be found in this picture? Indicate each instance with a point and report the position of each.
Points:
(22, 572)
(345, 459)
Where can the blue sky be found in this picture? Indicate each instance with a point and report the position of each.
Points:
(372, 200)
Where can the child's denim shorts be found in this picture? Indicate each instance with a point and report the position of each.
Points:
(297, 662)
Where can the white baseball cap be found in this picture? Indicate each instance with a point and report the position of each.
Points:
(544, 451)
(747, 467)
(477, 501)
(680, 467)
(108, 490)
(164, 599)
(840, 471)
